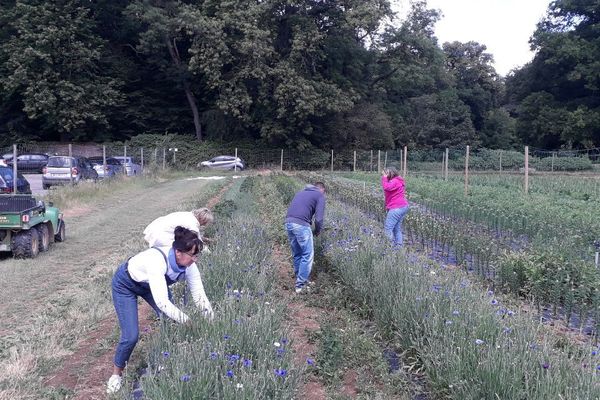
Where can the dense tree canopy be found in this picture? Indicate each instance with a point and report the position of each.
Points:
(300, 74)
(557, 95)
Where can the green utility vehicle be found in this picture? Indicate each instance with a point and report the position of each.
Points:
(28, 226)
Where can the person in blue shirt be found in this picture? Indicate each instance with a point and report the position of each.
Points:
(308, 204)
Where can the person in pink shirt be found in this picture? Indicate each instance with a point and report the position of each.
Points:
(395, 204)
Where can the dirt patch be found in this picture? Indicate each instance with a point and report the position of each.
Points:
(212, 202)
(86, 371)
(302, 321)
(350, 380)
(76, 211)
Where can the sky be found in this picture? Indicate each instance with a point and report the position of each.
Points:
(504, 26)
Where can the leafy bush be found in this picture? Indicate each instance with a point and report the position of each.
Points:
(562, 164)
(485, 159)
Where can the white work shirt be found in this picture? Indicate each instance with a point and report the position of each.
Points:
(160, 232)
(149, 266)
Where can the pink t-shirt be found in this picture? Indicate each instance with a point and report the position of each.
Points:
(394, 192)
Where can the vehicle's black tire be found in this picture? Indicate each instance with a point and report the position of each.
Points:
(25, 244)
(45, 186)
(44, 236)
(61, 234)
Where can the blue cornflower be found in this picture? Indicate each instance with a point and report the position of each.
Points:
(455, 312)
(310, 361)
(166, 354)
(233, 358)
(507, 330)
(280, 372)
(226, 337)
(284, 340)
(448, 322)
(247, 363)
(598, 367)
(185, 378)
(545, 365)
(280, 352)
(237, 321)
(594, 352)
(213, 355)
(229, 285)
(479, 341)
(490, 293)
(230, 373)
(510, 313)
(494, 302)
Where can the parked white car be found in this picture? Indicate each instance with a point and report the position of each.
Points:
(130, 164)
(224, 162)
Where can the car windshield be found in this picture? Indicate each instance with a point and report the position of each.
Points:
(6, 173)
(64, 162)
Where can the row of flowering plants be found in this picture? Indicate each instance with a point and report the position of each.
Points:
(582, 187)
(469, 343)
(537, 267)
(244, 352)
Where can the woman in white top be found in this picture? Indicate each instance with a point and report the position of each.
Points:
(148, 275)
(160, 231)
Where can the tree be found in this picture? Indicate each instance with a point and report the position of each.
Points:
(53, 68)
(167, 30)
(499, 130)
(478, 84)
(436, 121)
(559, 90)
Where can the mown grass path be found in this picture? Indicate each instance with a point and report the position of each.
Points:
(49, 303)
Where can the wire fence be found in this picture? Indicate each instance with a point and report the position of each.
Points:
(445, 163)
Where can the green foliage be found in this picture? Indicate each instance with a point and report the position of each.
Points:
(558, 91)
(299, 76)
(490, 160)
(54, 68)
(562, 164)
(437, 121)
(331, 352)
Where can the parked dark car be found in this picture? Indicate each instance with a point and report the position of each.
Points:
(113, 167)
(224, 162)
(62, 170)
(30, 162)
(7, 182)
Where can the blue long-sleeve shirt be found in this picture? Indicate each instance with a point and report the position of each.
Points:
(307, 203)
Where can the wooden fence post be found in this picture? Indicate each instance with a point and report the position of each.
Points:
(281, 162)
(354, 164)
(467, 172)
(446, 168)
(331, 160)
(15, 171)
(526, 169)
(405, 167)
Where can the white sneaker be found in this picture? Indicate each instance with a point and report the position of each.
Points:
(114, 384)
(298, 290)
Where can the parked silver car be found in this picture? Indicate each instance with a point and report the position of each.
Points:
(224, 162)
(113, 167)
(62, 170)
(130, 164)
